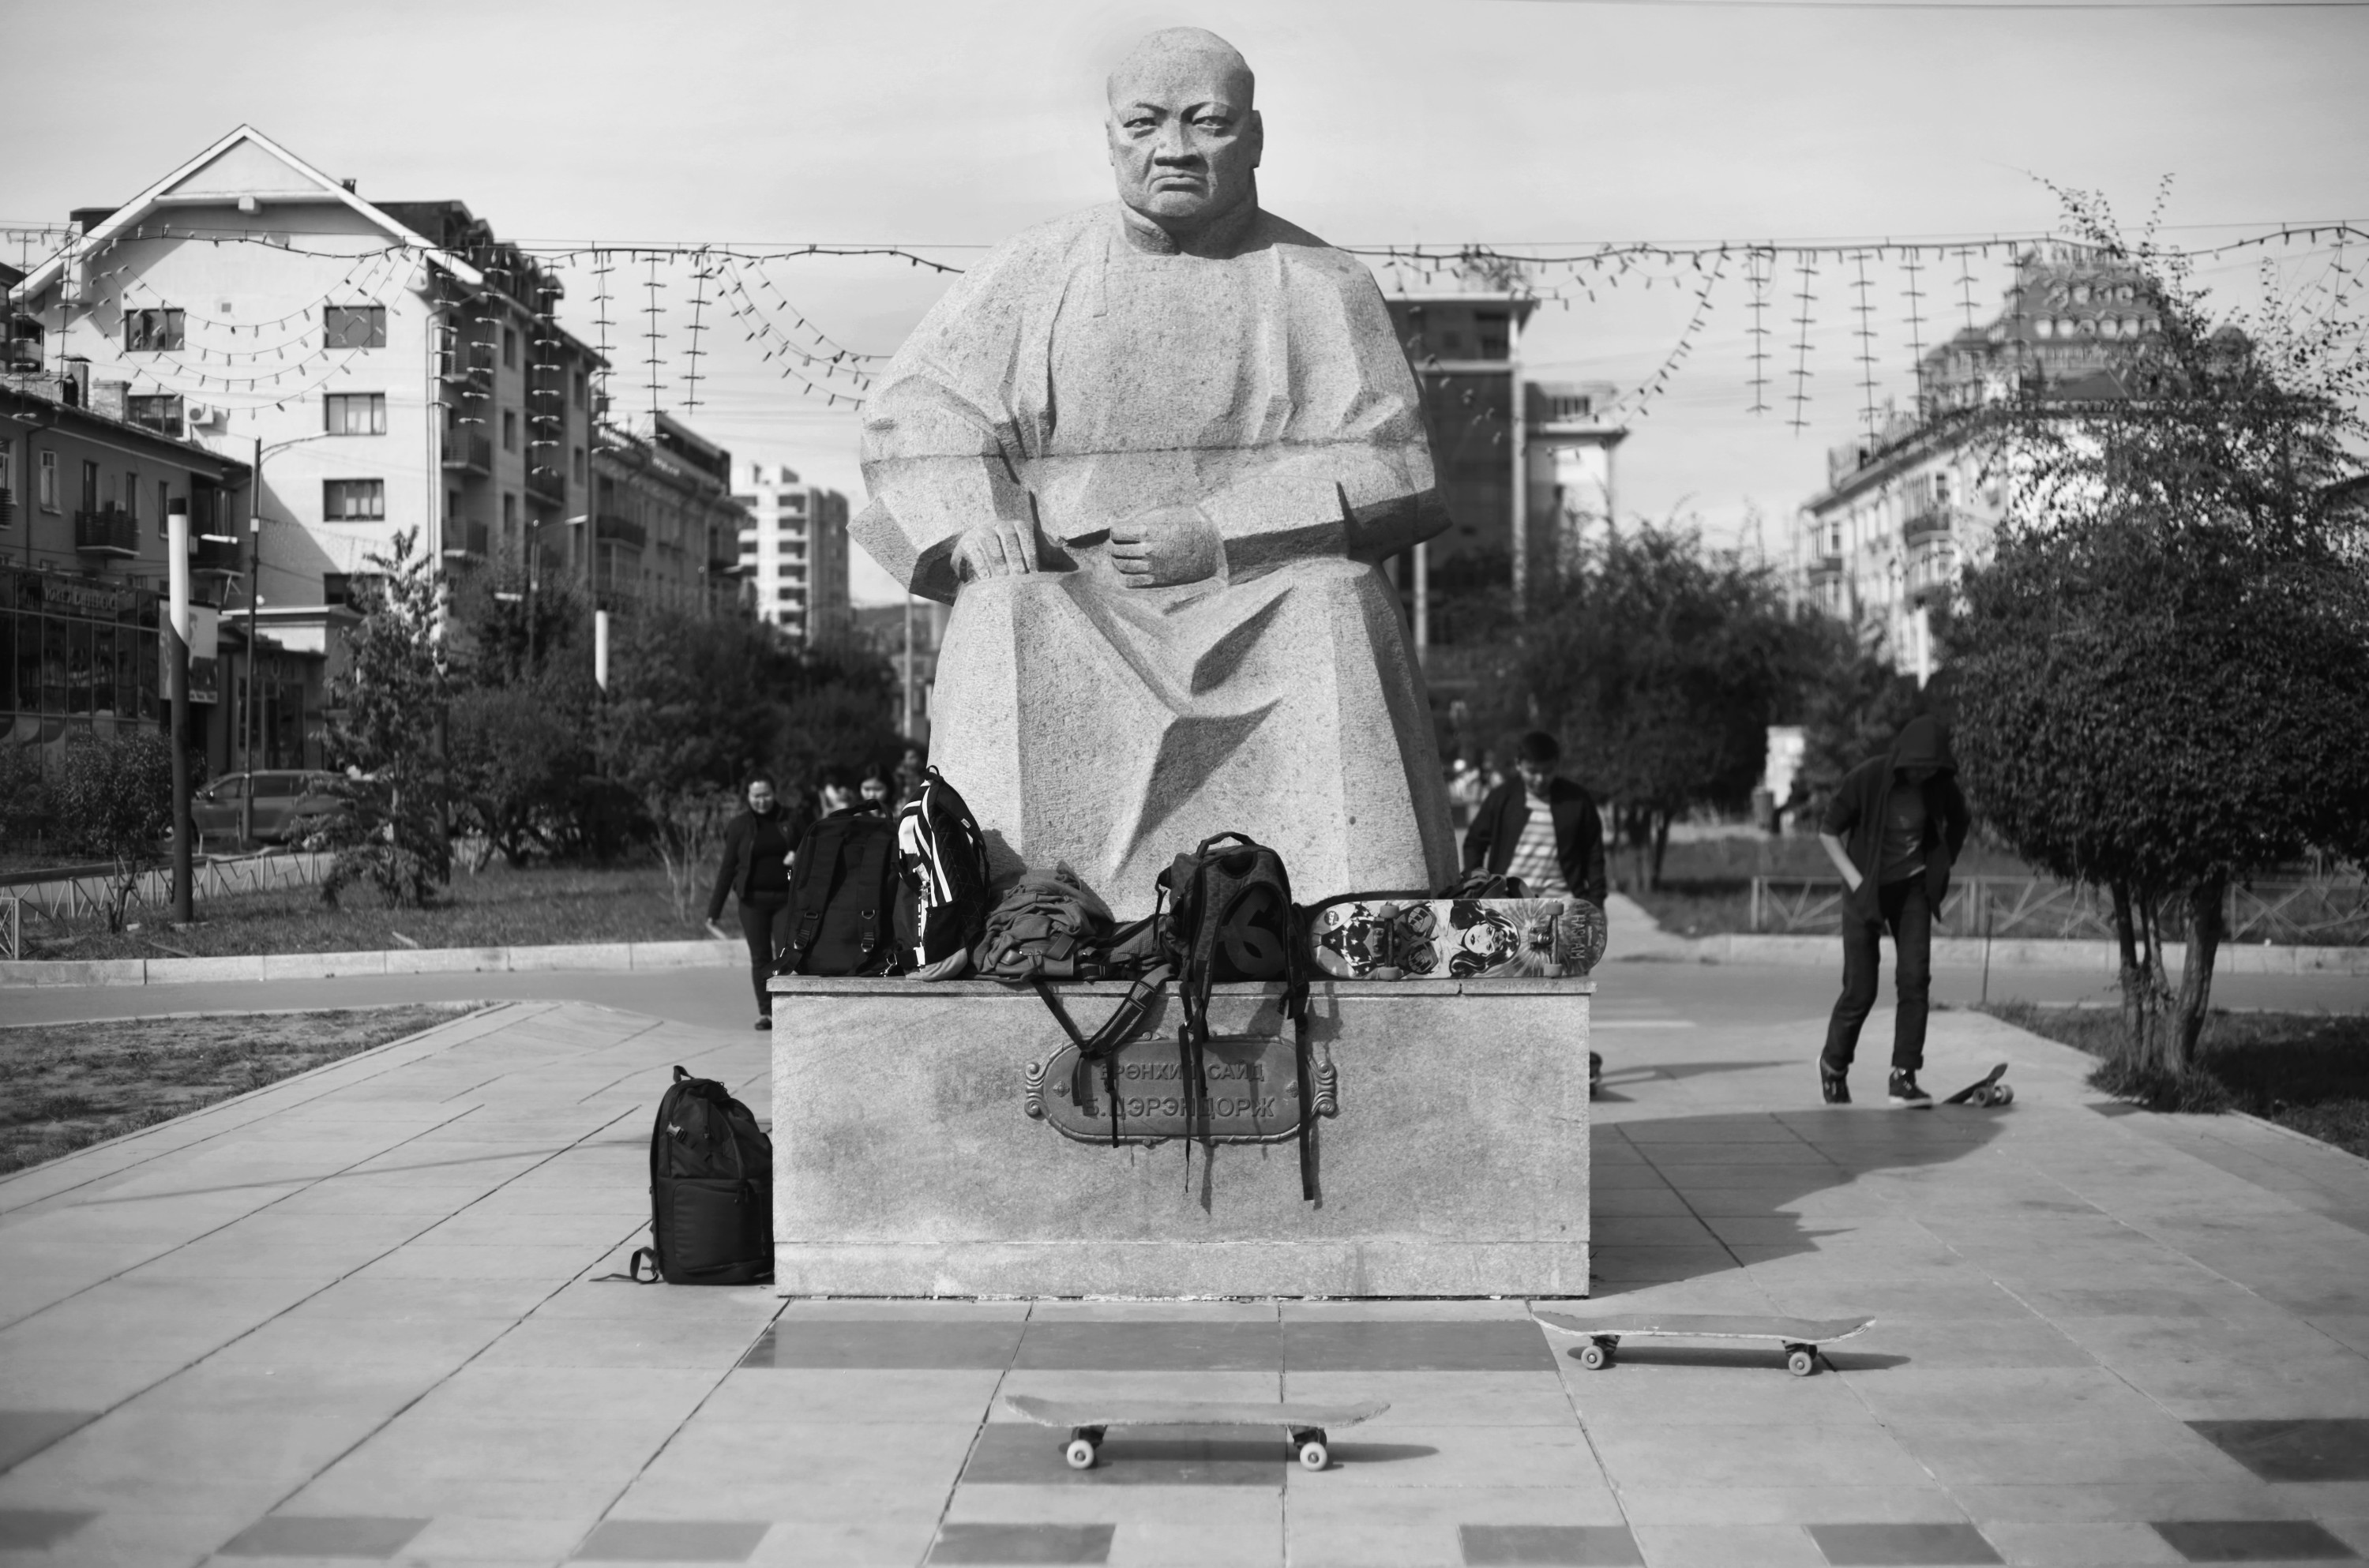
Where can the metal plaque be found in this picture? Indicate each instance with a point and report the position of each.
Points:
(1254, 1092)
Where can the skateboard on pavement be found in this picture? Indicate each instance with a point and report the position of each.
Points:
(1987, 1090)
(1799, 1337)
(1304, 1423)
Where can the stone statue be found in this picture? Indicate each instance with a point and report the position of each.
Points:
(1151, 453)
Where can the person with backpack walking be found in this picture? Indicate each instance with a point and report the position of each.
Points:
(1893, 829)
(758, 847)
(1542, 828)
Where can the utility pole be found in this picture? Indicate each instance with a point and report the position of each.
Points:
(177, 643)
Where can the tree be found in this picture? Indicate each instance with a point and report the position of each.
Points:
(1662, 663)
(2164, 672)
(384, 732)
(114, 799)
(523, 765)
(1852, 707)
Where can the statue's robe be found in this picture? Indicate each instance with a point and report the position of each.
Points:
(1082, 372)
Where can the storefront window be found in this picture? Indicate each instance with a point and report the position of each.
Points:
(102, 670)
(77, 667)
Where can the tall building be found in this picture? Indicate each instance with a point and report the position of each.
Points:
(1907, 508)
(793, 551)
(665, 524)
(388, 366)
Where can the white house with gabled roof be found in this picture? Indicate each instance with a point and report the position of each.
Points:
(395, 364)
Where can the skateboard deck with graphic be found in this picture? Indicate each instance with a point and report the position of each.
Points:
(1987, 1090)
(1457, 939)
(1799, 1337)
(1303, 1423)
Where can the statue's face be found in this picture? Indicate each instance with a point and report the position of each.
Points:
(1183, 138)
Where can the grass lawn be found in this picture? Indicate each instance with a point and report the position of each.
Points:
(495, 908)
(1706, 883)
(2305, 1070)
(66, 1086)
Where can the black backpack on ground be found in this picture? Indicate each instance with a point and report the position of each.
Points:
(711, 1190)
(843, 897)
(1230, 918)
(943, 906)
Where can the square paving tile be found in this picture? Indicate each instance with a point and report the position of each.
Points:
(2253, 1541)
(672, 1540)
(24, 1433)
(1386, 1345)
(1151, 1344)
(895, 1344)
(2295, 1450)
(1582, 1544)
(38, 1529)
(1022, 1543)
(1009, 1454)
(1895, 1543)
(300, 1535)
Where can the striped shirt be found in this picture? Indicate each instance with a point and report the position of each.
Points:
(1537, 861)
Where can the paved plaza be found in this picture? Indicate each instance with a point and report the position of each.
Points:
(357, 1317)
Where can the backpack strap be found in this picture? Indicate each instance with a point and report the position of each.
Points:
(1125, 1022)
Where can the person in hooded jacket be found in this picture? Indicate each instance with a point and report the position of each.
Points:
(1894, 829)
(758, 845)
(1540, 827)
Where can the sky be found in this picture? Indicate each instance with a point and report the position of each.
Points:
(1538, 123)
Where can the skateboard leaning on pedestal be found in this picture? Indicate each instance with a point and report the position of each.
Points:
(1799, 1337)
(1303, 1422)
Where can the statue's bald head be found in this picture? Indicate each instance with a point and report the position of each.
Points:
(1184, 141)
(1174, 57)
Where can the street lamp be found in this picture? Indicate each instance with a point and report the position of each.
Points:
(253, 601)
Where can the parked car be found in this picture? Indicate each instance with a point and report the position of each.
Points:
(290, 806)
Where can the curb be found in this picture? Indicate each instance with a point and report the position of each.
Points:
(593, 956)
(1967, 953)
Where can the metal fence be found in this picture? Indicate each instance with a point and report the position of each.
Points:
(2320, 913)
(86, 893)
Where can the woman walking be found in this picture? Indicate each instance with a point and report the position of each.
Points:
(759, 846)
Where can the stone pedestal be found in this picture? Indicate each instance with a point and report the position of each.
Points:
(906, 1161)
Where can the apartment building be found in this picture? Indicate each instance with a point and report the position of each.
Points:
(1906, 510)
(667, 528)
(794, 552)
(387, 367)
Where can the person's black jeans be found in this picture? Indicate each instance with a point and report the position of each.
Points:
(1904, 911)
(766, 925)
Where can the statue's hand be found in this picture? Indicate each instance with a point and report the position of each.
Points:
(1166, 546)
(1003, 549)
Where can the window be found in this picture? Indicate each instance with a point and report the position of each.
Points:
(148, 331)
(354, 326)
(131, 495)
(510, 348)
(89, 486)
(509, 431)
(156, 411)
(510, 516)
(576, 464)
(353, 500)
(48, 480)
(1496, 334)
(791, 500)
(165, 511)
(357, 413)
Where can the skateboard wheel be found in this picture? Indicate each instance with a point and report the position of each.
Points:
(1314, 1454)
(1595, 1355)
(1801, 1360)
(2003, 1095)
(1080, 1453)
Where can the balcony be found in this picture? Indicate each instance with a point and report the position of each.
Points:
(464, 540)
(1932, 522)
(111, 531)
(546, 481)
(1931, 567)
(219, 555)
(468, 451)
(621, 531)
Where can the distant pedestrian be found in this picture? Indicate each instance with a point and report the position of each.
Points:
(758, 846)
(912, 772)
(1894, 829)
(1542, 828)
(876, 786)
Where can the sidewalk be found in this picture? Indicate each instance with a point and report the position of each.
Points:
(351, 1317)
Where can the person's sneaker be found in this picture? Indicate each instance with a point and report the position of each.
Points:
(765, 1021)
(1905, 1091)
(1834, 1085)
